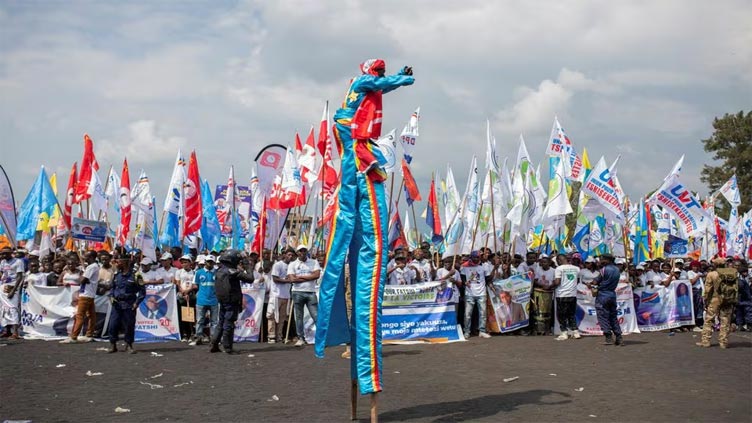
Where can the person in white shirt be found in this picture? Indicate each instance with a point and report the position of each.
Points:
(85, 308)
(34, 276)
(186, 294)
(148, 275)
(166, 273)
(679, 264)
(279, 297)
(449, 275)
(565, 281)
(530, 264)
(654, 277)
(475, 278)
(12, 277)
(588, 273)
(423, 267)
(400, 273)
(303, 274)
(621, 263)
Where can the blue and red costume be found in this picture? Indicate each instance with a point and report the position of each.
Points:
(359, 229)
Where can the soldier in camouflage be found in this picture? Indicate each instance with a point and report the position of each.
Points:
(720, 296)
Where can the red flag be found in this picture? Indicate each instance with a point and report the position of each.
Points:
(308, 159)
(328, 175)
(432, 216)
(280, 198)
(720, 234)
(323, 143)
(89, 165)
(70, 195)
(298, 144)
(125, 204)
(258, 239)
(411, 188)
(192, 193)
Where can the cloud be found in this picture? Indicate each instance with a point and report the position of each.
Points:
(144, 144)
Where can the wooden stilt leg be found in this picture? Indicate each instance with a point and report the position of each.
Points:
(354, 399)
(375, 407)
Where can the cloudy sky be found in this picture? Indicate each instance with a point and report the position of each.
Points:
(643, 79)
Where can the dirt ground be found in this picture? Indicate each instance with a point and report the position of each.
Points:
(654, 377)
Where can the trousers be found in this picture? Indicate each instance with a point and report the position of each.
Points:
(605, 309)
(359, 234)
(225, 331)
(715, 309)
(125, 319)
(566, 308)
(85, 310)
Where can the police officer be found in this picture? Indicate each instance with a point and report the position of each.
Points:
(605, 301)
(227, 286)
(126, 295)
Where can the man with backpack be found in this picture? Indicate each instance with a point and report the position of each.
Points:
(721, 294)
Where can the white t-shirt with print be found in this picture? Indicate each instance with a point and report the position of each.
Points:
(36, 279)
(568, 286)
(185, 278)
(399, 276)
(475, 279)
(545, 277)
(299, 268)
(166, 276)
(10, 270)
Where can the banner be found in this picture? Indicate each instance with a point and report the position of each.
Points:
(587, 319)
(47, 312)
(663, 307)
(674, 197)
(245, 197)
(509, 308)
(423, 312)
(248, 325)
(157, 316)
(88, 230)
(675, 247)
(600, 187)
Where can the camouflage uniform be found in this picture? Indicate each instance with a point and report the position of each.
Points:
(715, 308)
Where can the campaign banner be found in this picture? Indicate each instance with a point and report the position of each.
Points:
(47, 312)
(509, 304)
(157, 315)
(9, 310)
(587, 318)
(245, 198)
(664, 307)
(88, 230)
(678, 200)
(423, 312)
(675, 247)
(248, 325)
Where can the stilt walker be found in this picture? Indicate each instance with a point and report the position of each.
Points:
(359, 233)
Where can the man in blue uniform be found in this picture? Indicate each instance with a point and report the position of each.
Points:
(605, 301)
(230, 296)
(125, 296)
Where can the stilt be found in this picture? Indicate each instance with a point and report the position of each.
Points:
(353, 399)
(375, 407)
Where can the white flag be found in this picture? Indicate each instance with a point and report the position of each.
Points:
(291, 180)
(388, 147)
(558, 200)
(174, 196)
(409, 136)
(600, 187)
(98, 198)
(730, 191)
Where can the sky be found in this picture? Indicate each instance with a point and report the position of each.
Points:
(643, 79)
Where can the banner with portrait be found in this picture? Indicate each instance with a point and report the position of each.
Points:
(157, 315)
(508, 304)
(248, 325)
(423, 312)
(587, 318)
(664, 307)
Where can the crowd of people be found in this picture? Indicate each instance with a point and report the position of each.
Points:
(290, 278)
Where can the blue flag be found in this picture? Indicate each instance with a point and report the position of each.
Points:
(211, 232)
(171, 230)
(581, 241)
(41, 201)
(641, 245)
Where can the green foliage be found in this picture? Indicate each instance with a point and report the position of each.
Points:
(731, 144)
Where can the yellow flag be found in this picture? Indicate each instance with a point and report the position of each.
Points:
(55, 219)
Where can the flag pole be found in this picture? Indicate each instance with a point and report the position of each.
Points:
(415, 222)
(493, 213)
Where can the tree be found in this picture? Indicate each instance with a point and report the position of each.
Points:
(731, 144)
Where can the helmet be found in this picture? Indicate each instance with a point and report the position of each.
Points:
(230, 258)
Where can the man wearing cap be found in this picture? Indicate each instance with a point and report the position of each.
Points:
(166, 272)
(186, 297)
(206, 300)
(303, 274)
(126, 295)
(148, 276)
(588, 273)
(605, 301)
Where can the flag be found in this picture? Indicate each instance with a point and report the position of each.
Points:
(125, 204)
(287, 190)
(328, 174)
(291, 180)
(8, 222)
(432, 216)
(558, 201)
(308, 159)
(409, 136)
(98, 196)
(492, 159)
(411, 187)
(175, 190)
(113, 185)
(410, 235)
(450, 197)
(641, 239)
(70, 195)
(581, 240)
(89, 166)
(39, 204)
(396, 237)
(55, 218)
(192, 191)
(600, 187)
(388, 147)
(471, 207)
(211, 231)
(586, 167)
(260, 236)
(143, 203)
(676, 170)
(674, 197)
(730, 191)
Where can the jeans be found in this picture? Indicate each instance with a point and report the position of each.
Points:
(225, 330)
(605, 309)
(201, 311)
(86, 309)
(565, 312)
(299, 299)
(470, 303)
